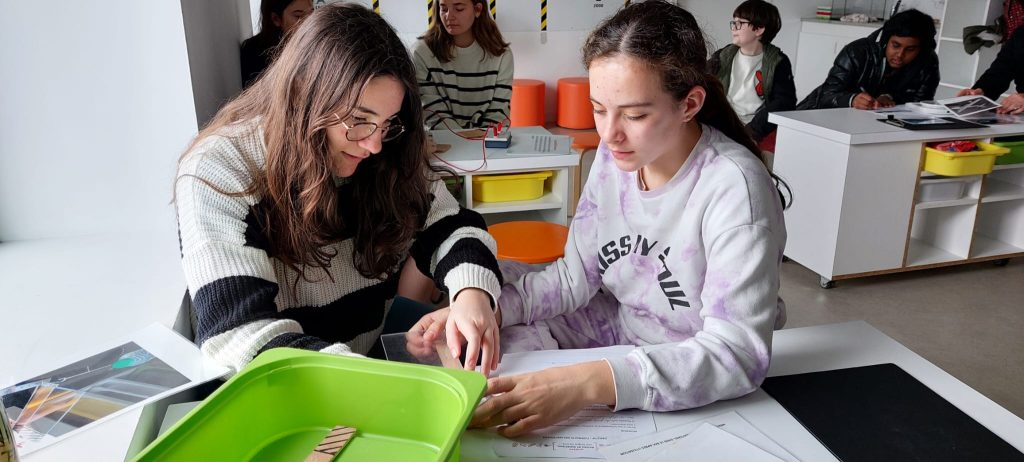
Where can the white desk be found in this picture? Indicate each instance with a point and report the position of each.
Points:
(854, 211)
(811, 349)
(62, 297)
(467, 158)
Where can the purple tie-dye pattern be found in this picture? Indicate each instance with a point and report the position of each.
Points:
(688, 371)
(688, 252)
(585, 226)
(520, 338)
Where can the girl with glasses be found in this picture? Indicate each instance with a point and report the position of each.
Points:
(675, 246)
(300, 202)
(464, 67)
(757, 76)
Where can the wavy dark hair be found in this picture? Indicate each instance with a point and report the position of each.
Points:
(323, 69)
(667, 39)
(485, 32)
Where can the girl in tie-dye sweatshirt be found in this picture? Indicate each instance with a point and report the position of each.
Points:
(675, 246)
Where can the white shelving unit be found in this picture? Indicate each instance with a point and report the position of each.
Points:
(857, 208)
(998, 229)
(466, 158)
(552, 206)
(981, 225)
(957, 69)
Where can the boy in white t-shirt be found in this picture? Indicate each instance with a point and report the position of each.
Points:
(757, 76)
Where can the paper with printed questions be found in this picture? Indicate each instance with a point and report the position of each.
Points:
(646, 447)
(582, 435)
(709, 442)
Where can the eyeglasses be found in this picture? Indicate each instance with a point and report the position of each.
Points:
(359, 131)
(737, 25)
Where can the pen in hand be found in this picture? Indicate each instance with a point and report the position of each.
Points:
(864, 100)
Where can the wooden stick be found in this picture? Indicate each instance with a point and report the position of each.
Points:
(332, 444)
(446, 355)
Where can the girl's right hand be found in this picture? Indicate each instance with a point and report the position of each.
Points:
(420, 338)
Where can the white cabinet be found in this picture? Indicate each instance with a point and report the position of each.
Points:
(468, 158)
(819, 44)
(861, 204)
(552, 207)
(957, 69)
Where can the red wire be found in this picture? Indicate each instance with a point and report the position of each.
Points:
(483, 144)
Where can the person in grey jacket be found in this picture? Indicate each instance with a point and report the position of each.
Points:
(894, 65)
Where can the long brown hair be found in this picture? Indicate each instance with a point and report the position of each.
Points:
(322, 69)
(485, 32)
(667, 38)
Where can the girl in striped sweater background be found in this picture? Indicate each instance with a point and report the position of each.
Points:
(463, 67)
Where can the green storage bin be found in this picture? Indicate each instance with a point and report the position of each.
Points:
(285, 401)
(1016, 146)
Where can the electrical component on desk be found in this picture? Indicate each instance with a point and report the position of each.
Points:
(498, 136)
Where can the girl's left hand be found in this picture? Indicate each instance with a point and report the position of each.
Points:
(539, 399)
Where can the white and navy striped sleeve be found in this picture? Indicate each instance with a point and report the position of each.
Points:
(455, 249)
(230, 277)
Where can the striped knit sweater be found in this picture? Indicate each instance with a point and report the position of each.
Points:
(474, 89)
(243, 295)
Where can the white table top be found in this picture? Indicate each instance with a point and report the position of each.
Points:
(468, 154)
(811, 349)
(63, 297)
(855, 126)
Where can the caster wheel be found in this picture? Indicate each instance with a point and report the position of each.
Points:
(1003, 262)
(826, 283)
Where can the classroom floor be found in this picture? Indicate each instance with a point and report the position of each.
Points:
(968, 320)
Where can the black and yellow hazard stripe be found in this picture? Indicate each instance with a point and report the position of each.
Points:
(494, 8)
(430, 13)
(376, 6)
(543, 15)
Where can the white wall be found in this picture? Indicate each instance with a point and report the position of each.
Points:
(95, 107)
(933, 8)
(213, 33)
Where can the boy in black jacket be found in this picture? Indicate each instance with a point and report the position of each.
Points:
(757, 76)
(894, 65)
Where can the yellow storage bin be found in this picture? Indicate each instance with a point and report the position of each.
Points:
(962, 163)
(514, 187)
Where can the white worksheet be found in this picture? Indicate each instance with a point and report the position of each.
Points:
(645, 447)
(708, 442)
(583, 434)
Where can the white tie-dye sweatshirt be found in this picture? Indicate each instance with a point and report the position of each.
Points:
(694, 267)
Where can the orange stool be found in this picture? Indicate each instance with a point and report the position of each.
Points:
(574, 107)
(527, 106)
(530, 241)
(585, 141)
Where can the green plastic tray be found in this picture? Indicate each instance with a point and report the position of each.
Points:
(285, 401)
(1016, 147)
